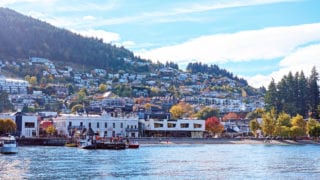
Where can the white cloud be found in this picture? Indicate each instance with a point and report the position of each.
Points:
(180, 11)
(10, 2)
(303, 59)
(88, 18)
(260, 44)
(107, 37)
(223, 4)
(128, 43)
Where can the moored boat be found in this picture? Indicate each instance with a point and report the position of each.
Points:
(99, 144)
(133, 145)
(8, 145)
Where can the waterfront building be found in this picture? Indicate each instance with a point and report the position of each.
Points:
(27, 124)
(106, 125)
(173, 128)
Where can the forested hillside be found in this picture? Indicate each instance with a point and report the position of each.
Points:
(24, 37)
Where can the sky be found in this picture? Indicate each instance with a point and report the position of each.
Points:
(254, 39)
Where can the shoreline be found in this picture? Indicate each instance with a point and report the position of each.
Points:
(190, 141)
(172, 141)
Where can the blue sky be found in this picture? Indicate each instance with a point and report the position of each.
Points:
(254, 39)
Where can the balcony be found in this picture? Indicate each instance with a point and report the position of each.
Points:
(132, 129)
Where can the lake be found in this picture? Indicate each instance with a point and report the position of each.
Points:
(211, 161)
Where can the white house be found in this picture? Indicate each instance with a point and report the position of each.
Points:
(106, 125)
(174, 128)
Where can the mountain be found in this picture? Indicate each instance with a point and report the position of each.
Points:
(22, 37)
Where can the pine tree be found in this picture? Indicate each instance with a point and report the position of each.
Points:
(313, 99)
(271, 99)
(303, 95)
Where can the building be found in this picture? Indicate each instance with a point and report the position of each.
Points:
(13, 86)
(27, 125)
(106, 125)
(173, 128)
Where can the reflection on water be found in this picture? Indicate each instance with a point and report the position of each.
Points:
(223, 161)
(12, 168)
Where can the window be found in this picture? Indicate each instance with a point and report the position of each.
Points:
(105, 133)
(105, 125)
(98, 125)
(121, 125)
(81, 124)
(197, 125)
(70, 123)
(114, 125)
(29, 125)
(184, 125)
(171, 125)
(158, 125)
(89, 124)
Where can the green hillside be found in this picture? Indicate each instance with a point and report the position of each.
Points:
(23, 37)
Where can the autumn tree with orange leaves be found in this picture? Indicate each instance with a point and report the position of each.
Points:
(181, 110)
(213, 126)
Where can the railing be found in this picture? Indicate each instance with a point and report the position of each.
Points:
(132, 129)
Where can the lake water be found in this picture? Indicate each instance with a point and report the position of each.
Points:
(216, 161)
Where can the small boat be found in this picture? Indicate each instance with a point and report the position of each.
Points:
(133, 145)
(71, 144)
(98, 144)
(8, 145)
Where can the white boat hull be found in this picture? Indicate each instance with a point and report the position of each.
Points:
(8, 150)
(8, 145)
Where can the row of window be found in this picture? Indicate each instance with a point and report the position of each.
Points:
(105, 125)
(173, 125)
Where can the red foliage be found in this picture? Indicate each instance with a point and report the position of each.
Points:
(213, 125)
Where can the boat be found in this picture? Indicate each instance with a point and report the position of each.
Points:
(133, 145)
(71, 144)
(89, 143)
(8, 145)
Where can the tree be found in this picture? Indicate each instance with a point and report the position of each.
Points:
(102, 88)
(70, 89)
(82, 95)
(271, 97)
(176, 111)
(269, 122)
(282, 126)
(296, 131)
(314, 98)
(33, 80)
(51, 130)
(298, 121)
(257, 113)
(76, 108)
(298, 127)
(302, 100)
(207, 112)
(147, 106)
(7, 126)
(315, 132)
(284, 119)
(254, 126)
(181, 110)
(311, 124)
(214, 126)
(5, 104)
